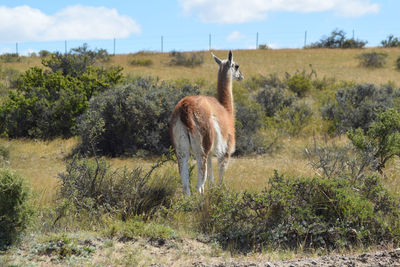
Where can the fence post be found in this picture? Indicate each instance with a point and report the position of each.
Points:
(257, 41)
(114, 47)
(305, 39)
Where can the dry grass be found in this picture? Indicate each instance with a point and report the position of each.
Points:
(339, 63)
(41, 161)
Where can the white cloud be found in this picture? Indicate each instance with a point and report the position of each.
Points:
(239, 11)
(235, 36)
(78, 22)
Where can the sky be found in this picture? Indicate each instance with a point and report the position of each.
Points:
(119, 26)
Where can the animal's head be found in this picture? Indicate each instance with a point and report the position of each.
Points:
(229, 66)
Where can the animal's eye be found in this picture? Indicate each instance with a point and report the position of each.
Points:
(236, 67)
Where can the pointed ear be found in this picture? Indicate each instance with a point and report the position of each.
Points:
(230, 56)
(216, 59)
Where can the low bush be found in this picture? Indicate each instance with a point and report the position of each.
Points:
(92, 185)
(64, 246)
(133, 118)
(382, 140)
(263, 46)
(338, 39)
(4, 154)
(391, 41)
(273, 99)
(44, 53)
(398, 63)
(303, 213)
(46, 104)
(299, 84)
(10, 57)
(331, 160)
(145, 62)
(186, 60)
(249, 122)
(137, 227)
(358, 106)
(15, 210)
(295, 118)
(372, 59)
(9, 77)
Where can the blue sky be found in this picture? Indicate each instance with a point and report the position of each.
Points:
(186, 24)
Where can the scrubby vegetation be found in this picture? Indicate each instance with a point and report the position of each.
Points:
(398, 63)
(92, 186)
(391, 41)
(46, 104)
(372, 59)
(186, 60)
(357, 106)
(141, 62)
(338, 194)
(338, 39)
(297, 212)
(132, 118)
(15, 210)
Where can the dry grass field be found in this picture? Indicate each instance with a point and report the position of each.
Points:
(41, 161)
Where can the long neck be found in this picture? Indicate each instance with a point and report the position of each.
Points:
(225, 96)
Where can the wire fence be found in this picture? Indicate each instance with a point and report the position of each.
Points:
(166, 43)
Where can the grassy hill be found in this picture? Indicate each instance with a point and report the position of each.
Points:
(40, 161)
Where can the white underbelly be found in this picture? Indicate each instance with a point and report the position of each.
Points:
(220, 144)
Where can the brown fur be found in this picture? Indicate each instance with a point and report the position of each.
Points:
(196, 112)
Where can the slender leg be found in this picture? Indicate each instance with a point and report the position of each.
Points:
(182, 149)
(201, 173)
(222, 163)
(210, 170)
(183, 164)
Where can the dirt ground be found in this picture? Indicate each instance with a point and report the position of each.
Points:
(93, 251)
(381, 258)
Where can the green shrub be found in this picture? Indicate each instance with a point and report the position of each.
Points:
(44, 53)
(132, 118)
(382, 139)
(303, 213)
(391, 41)
(186, 60)
(273, 99)
(9, 77)
(398, 63)
(263, 46)
(332, 160)
(145, 62)
(299, 84)
(64, 246)
(10, 57)
(76, 62)
(137, 227)
(358, 106)
(92, 185)
(47, 103)
(4, 154)
(249, 122)
(295, 118)
(338, 39)
(15, 211)
(372, 59)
